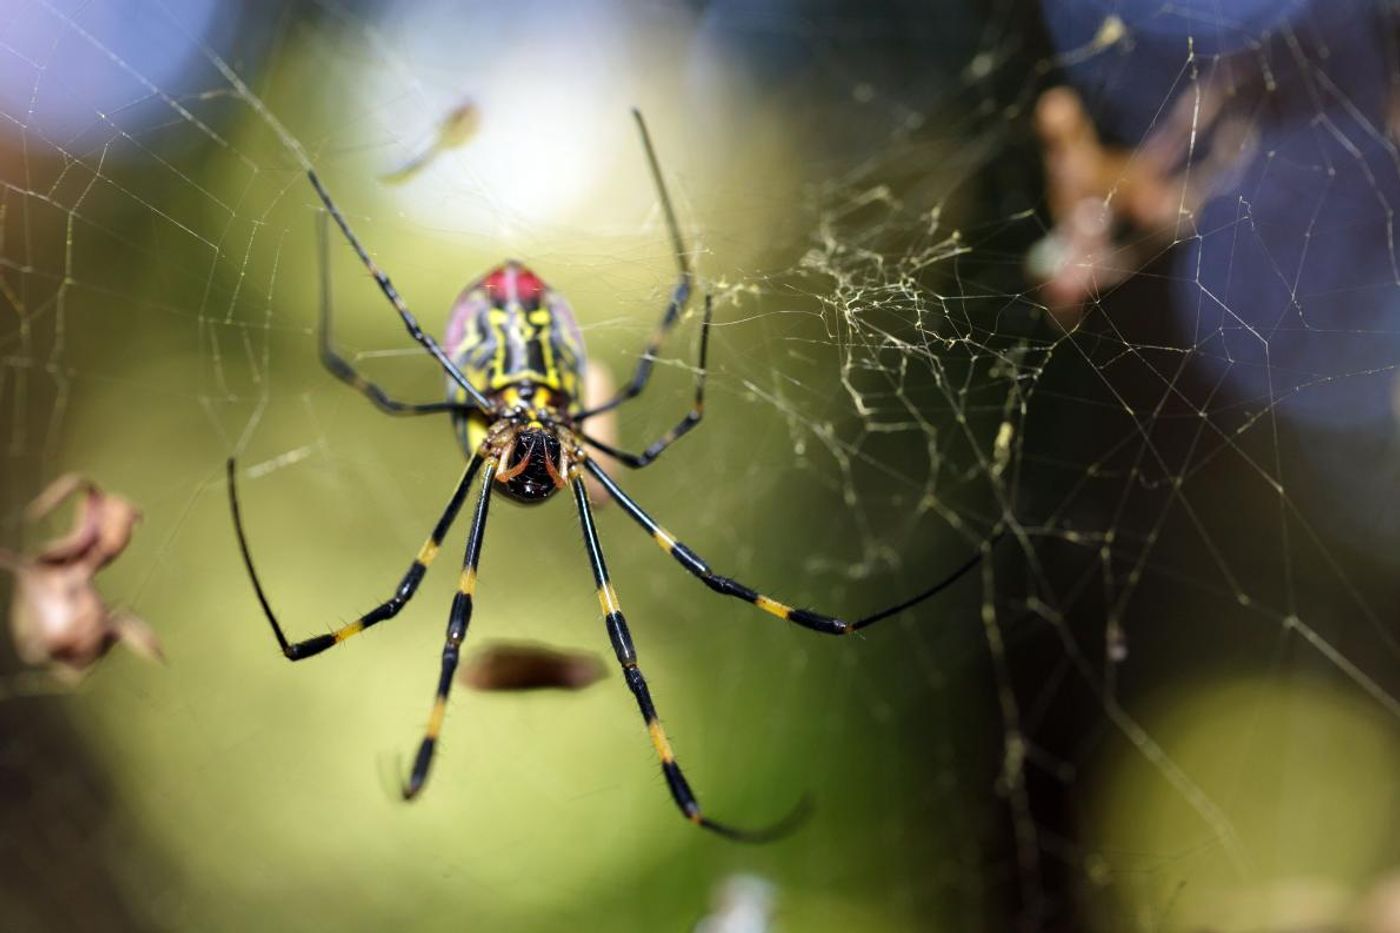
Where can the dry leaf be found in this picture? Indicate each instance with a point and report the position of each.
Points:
(1115, 208)
(456, 129)
(57, 617)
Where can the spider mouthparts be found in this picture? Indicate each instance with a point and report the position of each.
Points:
(531, 474)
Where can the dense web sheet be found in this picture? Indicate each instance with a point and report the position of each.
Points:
(1142, 325)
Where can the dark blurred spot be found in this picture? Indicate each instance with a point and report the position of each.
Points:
(530, 667)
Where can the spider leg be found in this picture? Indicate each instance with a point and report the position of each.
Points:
(457, 622)
(387, 287)
(340, 367)
(682, 427)
(626, 652)
(680, 295)
(816, 621)
(300, 650)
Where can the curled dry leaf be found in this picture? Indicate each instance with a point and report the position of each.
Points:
(57, 617)
(1115, 208)
(530, 667)
(455, 129)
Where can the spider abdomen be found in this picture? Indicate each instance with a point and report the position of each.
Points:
(509, 328)
(516, 340)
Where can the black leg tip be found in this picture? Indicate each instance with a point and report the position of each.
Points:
(783, 828)
(419, 775)
(305, 649)
(410, 789)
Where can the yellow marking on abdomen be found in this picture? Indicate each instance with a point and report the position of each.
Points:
(467, 585)
(658, 739)
(501, 379)
(664, 540)
(428, 552)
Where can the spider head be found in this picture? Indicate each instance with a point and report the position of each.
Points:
(531, 471)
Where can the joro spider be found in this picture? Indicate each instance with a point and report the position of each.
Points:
(514, 359)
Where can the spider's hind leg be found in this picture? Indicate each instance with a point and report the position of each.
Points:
(425, 340)
(682, 427)
(343, 369)
(680, 294)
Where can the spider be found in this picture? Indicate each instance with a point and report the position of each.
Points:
(513, 357)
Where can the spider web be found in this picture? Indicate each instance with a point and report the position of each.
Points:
(1168, 698)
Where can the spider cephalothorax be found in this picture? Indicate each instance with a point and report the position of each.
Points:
(513, 360)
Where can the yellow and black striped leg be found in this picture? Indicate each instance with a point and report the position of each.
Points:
(300, 650)
(341, 368)
(627, 656)
(816, 621)
(424, 339)
(691, 419)
(680, 295)
(457, 622)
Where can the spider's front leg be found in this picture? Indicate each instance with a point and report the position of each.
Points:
(408, 586)
(725, 586)
(457, 622)
(623, 647)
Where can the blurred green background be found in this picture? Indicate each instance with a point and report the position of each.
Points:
(859, 187)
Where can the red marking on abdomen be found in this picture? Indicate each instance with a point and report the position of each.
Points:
(513, 282)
